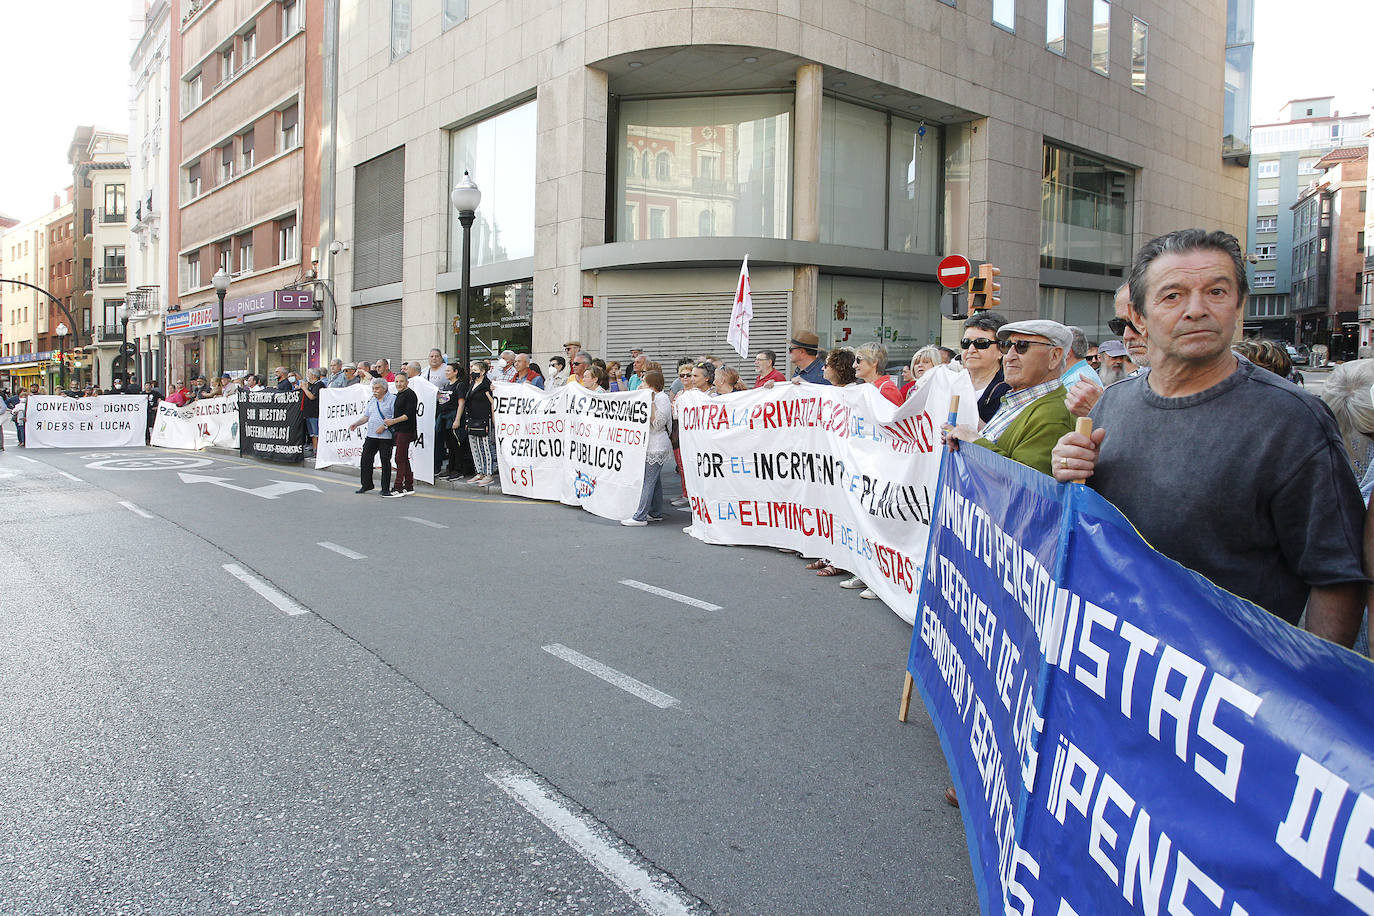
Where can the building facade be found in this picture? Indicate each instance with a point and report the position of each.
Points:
(629, 157)
(244, 184)
(149, 115)
(1328, 254)
(100, 176)
(25, 260)
(62, 283)
(1282, 165)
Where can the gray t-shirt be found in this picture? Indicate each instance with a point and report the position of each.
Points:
(1246, 482)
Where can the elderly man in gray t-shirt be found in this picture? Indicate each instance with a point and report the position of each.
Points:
(1222, 466)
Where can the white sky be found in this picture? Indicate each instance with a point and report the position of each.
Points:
(66, 62)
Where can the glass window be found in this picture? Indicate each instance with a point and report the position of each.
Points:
(1308, 166)
(250, 46)
(747, 141)
(913, 188)
(1140, 39)
(499, 154)
(1102, 35)
(114, 202)
(1054, 26)
(286, 240)
(290, 132)
(194, 91)
(1004, 14)
(1267, 224)
(852, 191)
(1088, 310)
(1265, 279)
(246, 253)
(290, 18)
(500, 318)
(1269, 168)
(455, 11)
(400, 28)
(1085, 213)
(1266, 252)
(902, 316)
(1267, 197)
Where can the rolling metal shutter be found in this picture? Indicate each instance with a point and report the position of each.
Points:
(378, 218)
(671, 325)
(377, 332)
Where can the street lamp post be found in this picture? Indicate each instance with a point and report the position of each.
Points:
(466, 196)
(123, 314)
(221, 281)
(61, 331)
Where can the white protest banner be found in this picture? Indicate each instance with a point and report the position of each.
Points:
(607, 442)
(338, 444)
(422, 449)
(580, 447)
(107, 421)
(531, 427)
(839, 473)
(201, 424)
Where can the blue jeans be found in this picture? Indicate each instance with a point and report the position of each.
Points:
(651, 496)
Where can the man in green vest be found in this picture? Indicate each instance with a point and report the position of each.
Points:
(1032, 416)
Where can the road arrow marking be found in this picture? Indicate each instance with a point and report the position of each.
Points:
(271, 491)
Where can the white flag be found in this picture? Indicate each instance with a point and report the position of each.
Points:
(742, 313)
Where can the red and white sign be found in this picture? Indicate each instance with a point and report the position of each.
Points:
(954, 271)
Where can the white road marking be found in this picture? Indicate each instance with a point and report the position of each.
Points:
(71, 477)
(341, 551)
(613, 677)
(29, 460)
(674, 596)
(423, 521)
(283, 603)
(142, 513)
(271, 491)
(633, 877)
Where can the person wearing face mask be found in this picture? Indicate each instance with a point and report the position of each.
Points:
(450, 397)
(476, 412)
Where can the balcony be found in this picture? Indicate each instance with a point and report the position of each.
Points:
(113, 216)
(111, 275)
(109, 333)
(142, 302)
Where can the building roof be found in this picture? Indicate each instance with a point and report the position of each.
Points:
(1311, 98)
(1343, 154)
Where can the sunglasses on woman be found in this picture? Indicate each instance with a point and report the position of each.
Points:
(982, 343)
(1119, 326)
(1021, 346)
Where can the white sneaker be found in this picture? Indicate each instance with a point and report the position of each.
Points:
(679, 502)
(855, 582)
(687, 530)
(869, 594)
(632, 523)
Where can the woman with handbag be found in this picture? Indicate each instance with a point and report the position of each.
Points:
(477, 409)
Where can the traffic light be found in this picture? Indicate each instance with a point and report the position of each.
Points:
(984, 290)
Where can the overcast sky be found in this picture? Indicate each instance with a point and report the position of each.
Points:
(66, 62)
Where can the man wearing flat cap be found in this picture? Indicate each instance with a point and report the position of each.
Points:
(1032, 417)
(804, 350)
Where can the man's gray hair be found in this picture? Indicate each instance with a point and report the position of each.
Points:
(1079, 346)
(414, 364)
(986, 321)
(1183, 241)
(378, 381)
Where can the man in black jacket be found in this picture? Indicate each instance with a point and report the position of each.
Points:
(404, 428)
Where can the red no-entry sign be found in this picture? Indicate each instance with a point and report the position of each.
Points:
(954, 271)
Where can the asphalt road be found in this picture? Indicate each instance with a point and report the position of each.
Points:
(454, 707)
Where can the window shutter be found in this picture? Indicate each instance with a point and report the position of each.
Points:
(247, 142)
(378, 220)
(377, 331)
(227, 153)
(288, 117)
(193, 173)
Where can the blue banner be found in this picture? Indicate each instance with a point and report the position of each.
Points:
(1124, 736)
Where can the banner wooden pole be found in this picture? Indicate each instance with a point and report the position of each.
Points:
(910, 682)
(1084, 427)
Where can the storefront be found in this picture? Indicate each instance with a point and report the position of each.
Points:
(261, 331)
(25, 369)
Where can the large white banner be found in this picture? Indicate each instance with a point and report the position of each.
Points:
(107, 421)
(839, 473)
(338, 444)
(580, 447)
(206, 423)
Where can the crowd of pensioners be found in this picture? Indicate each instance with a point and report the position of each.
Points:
(1220, 461)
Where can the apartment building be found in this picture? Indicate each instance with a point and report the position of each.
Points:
(6, 223)
(244, 155)
(38, 252)
(630, 154)
(100, 175)
(147, 257)
(1328, 254)
(1283, 164)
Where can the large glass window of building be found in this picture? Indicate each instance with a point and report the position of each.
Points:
(1085, 213)
(854, 196)
(499, 153)
(718, 165)
(902, 316)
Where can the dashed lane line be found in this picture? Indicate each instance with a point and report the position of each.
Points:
(654, 892)
(283, 603)
(613, 677)
(341, 551)
(141, 513)
(672, 596)
(423, 521)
